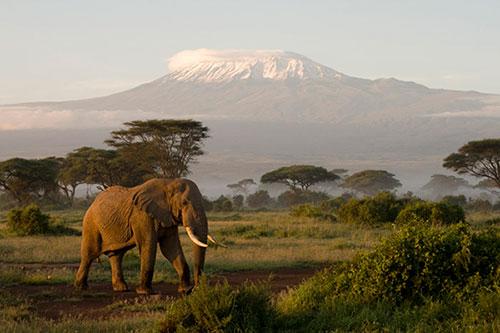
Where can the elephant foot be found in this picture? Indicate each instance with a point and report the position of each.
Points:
(81, 285)
(185, 290)
(120, 287)
(145, 291)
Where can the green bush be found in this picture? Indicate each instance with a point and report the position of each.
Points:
(459, 200)
(309, 210)
(222, 204)
(291, 198)
(221, 309)
(411, 265)
(28, 221)
(384, 207)
(259, 199)
(332, 205)
(440, 213)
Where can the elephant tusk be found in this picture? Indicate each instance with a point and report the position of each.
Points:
(194, 239)
(212, 239)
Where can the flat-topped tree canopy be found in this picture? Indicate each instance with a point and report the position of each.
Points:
(165, 147)
(370, 182)
(299, 176)
(477, 158)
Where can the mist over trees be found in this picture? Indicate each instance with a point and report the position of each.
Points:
(440, 185)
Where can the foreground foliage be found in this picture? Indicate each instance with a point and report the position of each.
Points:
(417, 271)
(438, 213)
(420, 278)
(221, 309)
(381, 208)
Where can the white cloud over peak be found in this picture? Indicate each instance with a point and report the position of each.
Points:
(188, 57)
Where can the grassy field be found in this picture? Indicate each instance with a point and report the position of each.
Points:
(260, 240)
(275, 238)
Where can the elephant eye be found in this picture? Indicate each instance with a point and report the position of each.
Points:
(185, 202)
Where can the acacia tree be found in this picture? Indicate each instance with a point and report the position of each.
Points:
(106, 168)
(73, 171)
(26, 180)
(477, 158)
(299, 177)
(370, 182)
(165, 148)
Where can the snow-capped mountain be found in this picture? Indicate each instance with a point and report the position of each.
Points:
(209, 66)
(275, 86)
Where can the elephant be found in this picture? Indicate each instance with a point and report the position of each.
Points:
(122, 218)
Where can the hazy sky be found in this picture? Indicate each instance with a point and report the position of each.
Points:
(58, 50)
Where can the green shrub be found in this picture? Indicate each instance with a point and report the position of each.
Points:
(412, 264)
(221, 309)
(259, 199)
(459, 200)
(238, 201)
(28, 221)
(291, 198)
(222, 204)
(384, 207)
(332, 205)
(440, 213)
(309, 210)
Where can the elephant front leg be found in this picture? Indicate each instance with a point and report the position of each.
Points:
(118, 280)
(170, 246)
(148, 254)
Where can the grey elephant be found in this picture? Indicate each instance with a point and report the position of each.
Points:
(146, 215)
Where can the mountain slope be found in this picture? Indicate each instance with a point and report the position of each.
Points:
(274, 86)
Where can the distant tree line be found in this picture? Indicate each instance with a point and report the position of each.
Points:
(476, 158)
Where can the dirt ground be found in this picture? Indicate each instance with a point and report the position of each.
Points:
(56, 301)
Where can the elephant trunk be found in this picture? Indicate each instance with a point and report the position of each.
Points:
(197, 229)
(199, 262)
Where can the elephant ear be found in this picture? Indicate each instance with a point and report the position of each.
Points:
(152, 199)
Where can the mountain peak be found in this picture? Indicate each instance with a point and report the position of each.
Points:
(204, 65)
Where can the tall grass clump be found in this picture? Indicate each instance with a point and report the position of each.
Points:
(438, 213)
(384, 207)
(221, 308)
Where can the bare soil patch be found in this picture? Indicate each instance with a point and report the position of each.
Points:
(57, 301)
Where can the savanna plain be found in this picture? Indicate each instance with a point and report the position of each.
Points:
(418, 276)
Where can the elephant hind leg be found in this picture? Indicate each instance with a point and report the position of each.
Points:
(82, 274)
(118, 280)
(88, 253)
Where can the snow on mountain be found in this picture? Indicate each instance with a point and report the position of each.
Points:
(265, 86)
(210, 66)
